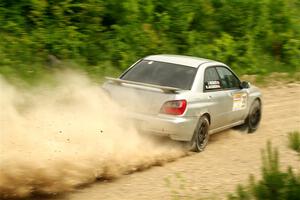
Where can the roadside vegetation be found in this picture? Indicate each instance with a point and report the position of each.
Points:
(294, 141)
(105, 37)
(275, 182)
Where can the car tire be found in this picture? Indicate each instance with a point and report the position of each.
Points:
(254, 116)
(201, 136)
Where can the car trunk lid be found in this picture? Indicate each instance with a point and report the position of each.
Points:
(139, 97)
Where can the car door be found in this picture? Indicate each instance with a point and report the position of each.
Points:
(237, 96)
(220, 103)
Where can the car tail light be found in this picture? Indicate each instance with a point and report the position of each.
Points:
(176, 107)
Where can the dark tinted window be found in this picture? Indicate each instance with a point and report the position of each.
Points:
(228, 79)
(211, 79)
(160, 73)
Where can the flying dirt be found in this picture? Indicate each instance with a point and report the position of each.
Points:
(54, 138)
(228, 160)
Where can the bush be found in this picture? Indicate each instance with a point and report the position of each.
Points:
(250, 36)
(275, 184)
(294, 141)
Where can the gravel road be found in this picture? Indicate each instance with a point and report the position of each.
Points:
(228, 160)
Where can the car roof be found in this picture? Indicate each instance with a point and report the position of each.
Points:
(181, 60)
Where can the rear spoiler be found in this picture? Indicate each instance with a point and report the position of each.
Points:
(165, 89)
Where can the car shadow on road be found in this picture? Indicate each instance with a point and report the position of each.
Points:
(227, 134)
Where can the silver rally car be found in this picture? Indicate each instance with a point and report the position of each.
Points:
(185, 98)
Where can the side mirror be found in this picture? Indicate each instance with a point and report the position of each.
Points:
(245, 84)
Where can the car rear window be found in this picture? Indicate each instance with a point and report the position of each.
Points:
(161, 73)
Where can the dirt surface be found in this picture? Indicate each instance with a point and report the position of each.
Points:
(228, 160)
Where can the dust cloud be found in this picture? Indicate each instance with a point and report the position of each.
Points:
(56, 138)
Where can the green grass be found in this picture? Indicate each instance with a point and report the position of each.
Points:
(294, 141)
(275, 184)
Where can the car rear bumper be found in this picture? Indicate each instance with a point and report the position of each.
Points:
(176, 127)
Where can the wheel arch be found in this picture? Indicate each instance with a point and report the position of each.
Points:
(208, 117)
(257, 99)
(252, 127)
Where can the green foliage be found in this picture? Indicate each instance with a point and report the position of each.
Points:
(294, 141)
(250, 36)
(177, 185)
(275, 183)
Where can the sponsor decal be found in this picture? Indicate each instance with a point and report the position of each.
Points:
(239, 101)
(212, 85)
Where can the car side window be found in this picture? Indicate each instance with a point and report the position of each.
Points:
(211, 79)
(228, 79)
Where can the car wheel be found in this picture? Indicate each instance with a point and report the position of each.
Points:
(201, 136)
(254, 116)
